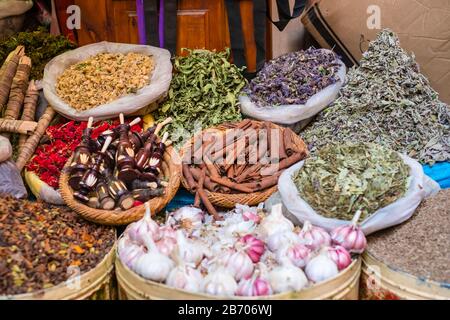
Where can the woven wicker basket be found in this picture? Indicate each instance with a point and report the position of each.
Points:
(171, 169)
(229, 200)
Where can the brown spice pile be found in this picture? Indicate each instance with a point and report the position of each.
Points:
(103, 78)
(421, 245)
(39, 242)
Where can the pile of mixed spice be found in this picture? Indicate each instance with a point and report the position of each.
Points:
(294, 77)
(386, 100)
(421, 245)
(343, 178)
(103, 78)
(39, 242)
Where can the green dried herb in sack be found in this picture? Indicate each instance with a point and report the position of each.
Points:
(341, 179)
(203, 93)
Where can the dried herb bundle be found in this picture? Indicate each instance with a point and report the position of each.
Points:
(203, 93)
(293, 78)
(388, 101)
(40, 46)
(421, 245)
(39, 242)
(343, 178)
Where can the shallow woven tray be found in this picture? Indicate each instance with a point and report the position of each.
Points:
(171, 168)
(229, 200)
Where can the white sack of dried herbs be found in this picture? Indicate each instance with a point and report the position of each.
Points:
(294, 87)
(117, 78)
(339, 184)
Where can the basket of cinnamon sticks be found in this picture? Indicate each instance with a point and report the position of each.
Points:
(238, 162)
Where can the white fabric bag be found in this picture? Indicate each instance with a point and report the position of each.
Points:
(291, 114)
(128, 104)
(420, 187)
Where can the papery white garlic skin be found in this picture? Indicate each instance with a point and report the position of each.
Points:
(129, 251)
(240, 265)
(298, 254)
(190, 251)
(220, 283)
(282, 239)
(254, 286)
(251, 216)
(274, 222)
(186, 278)
(146, 225)
(239, 229)
(167, 231)
(340, 256)
(166, 245)
(287, 277)
(314, 237)
(253, 247)
(351, 237)
(321, 268)
(191, 214)
(153, 266)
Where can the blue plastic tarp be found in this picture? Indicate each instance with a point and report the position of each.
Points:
(439, 172)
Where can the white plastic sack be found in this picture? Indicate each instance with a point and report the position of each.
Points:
(290, 114)
(397, 212)
(128, 104)
(10, 8)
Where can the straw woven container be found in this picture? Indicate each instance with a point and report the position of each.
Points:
(381, 282)
(171, 168)
(98, 283)
(345, 286)
(229, 200)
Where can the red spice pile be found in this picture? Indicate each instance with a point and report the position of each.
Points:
(50, 158)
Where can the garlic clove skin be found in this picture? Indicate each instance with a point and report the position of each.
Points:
(321, 268)
(286, 278)
(219, 283)
(314, 237)
(189, 217)
(167, 231)
(350, 237)
(254, 286)
(191, 251)
(298, 254)
(129, 251)
(282, 239)
(240, 265)
(253, 247)
(239, 229)
(340, 256)
(251, 216)
(274, 222)
(153, 266)
(186, 278)
(166, 245)
(146, 225)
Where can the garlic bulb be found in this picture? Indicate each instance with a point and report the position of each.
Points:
(166, 245)
(251, 216)
(240, 265)
(184, 276)
(314, 237)
(253, 247)
(298, 254)
(351, 237)
(340, 256)
(287, 277)
(274, 222)
(167, 231)
(282, 239)
(254, 286)
(321, 268)
(189, 217)
(129, 251)
(189, 250)
(239, 229)
(146, 225)
(152, 265)
(219, 282)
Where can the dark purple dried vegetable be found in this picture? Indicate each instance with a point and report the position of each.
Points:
(293, 78)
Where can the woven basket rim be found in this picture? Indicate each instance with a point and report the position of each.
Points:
(116, 218)
(229, 200)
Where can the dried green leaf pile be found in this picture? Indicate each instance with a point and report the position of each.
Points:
(39, 242)
(203, 93)
(386, 100)
(343, 178)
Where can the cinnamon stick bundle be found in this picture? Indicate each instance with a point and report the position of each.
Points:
(18, 89)
(29, 109)
(17, 126)
(7, 73)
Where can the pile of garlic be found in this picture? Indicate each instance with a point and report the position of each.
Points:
(248, 253)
